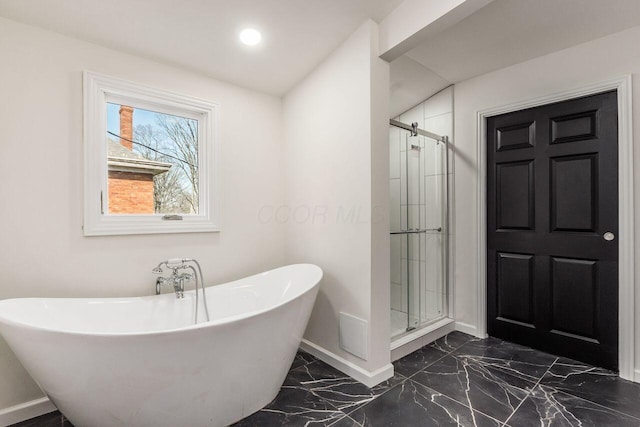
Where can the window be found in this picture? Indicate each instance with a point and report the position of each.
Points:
(150, 158)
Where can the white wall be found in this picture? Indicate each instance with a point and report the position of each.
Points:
(415, 21)
(337, 171)
(592, 62)
(43, 251)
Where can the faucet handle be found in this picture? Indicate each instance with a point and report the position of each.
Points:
(159, 282)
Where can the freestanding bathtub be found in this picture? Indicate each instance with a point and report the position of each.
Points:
(142, 362)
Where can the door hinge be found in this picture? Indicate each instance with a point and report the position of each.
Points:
(101, 204)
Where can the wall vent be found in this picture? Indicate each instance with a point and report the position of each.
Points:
(353, 335)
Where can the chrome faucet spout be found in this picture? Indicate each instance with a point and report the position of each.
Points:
(177, 279)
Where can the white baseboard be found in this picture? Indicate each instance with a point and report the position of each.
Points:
(367, 378)
(468, 329)
(636, 376)
(25, 411)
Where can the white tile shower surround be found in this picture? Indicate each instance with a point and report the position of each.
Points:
(415, 115)
(432, 154)
(457, 380)
(438, 104)
(422, 215)
(394, 152)
(394, 200)
(441, 124)
(434, 193)
(396, 296)
(413, 195)
(398, 322)
(434, 159)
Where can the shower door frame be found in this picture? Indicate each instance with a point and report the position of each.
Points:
(446, 251)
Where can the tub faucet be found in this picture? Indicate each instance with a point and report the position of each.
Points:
(177, 279)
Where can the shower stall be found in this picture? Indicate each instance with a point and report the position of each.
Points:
(419, 227)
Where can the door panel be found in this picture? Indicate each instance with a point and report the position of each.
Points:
(516, 136)
(575, 280)
(572, 209)
(515, 288)
(552, 192)
(574, 127)
(515, 195)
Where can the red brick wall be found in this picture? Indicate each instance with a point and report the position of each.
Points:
(130, 193)
(126, 126)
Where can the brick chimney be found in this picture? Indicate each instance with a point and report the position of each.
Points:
(126, 126)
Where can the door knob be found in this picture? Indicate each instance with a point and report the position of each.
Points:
(608, 236)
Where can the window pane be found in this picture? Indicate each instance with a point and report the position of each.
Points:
(152, 162)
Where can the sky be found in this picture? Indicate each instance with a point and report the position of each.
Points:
(140, 117)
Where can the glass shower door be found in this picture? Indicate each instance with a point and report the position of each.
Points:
(434, 247)
(418, 231)
(412, 226)
(399, 240)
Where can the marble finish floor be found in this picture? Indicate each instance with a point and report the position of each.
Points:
(456, 381)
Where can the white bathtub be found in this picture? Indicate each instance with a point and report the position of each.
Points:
(142, 361)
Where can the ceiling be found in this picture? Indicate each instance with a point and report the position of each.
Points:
(202, 35)
(504, 33)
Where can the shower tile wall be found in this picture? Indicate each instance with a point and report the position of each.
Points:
(423, 206)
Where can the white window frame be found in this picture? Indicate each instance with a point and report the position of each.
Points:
(100, 89)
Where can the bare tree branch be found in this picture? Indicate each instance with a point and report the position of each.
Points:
(175, 191)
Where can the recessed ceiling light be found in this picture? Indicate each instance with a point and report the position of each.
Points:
(250, 37)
